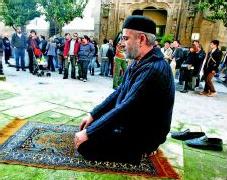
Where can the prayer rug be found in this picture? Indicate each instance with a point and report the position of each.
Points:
(51, 146)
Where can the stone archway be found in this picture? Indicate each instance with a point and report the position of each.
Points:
(121, 9)
(159, 12)
(159, 16)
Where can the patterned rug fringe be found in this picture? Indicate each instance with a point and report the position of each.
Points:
(161, 162)
(171, 173)
(163, 166)
(78, 169)
(10, 129)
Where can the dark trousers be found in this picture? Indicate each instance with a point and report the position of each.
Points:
(31, 59)
(1, 67)
(97, 61)
(111, 65)
(83, 68)
(187, 77)
(181, 78)
(110, 146)
(60, 63)
(197, 81)
(51, 63)
(209, 86)
(72, 60)
(7, 54)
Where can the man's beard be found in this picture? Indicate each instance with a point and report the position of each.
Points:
(133, 54)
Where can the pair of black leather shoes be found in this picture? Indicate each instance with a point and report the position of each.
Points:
(187, 134)
(206, 143)
(198, 140)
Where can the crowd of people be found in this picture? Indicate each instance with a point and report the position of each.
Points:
(123, 128)
(188, 63)
(82, 54)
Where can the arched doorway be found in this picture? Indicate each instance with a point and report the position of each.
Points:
(159, 16)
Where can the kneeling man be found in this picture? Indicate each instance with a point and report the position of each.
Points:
(136, 117)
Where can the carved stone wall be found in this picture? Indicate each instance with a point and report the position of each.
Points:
(180, 21)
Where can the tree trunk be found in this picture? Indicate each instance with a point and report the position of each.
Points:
(60, 29)
(53, 30)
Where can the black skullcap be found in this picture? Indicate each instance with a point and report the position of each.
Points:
(140, 23)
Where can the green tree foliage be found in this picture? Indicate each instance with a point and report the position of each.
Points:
(62, 11)
(214, 9)
(167, 37)
(18, 12)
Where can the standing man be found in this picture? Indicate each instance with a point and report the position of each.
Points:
(225, 66)
(43, 44)
(7, 48)
(177, 60)
(19, 43)
(1, 53)
(33, 42)
(70, 53)
(123, 127)
(104, 59)
(199, 59)
(211, 67)
(110, 55)
(167, 51)
(94, 58)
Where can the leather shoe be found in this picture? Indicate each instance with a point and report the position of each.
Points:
(206, 143)
(184, 91)
(185, 135)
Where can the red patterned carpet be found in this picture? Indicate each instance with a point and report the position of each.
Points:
(51, 146)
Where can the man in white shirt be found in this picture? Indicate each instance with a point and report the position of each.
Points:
(167, 51)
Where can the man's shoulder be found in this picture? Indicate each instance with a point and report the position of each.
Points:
(217, 52)
(180, 49)
(14, 35)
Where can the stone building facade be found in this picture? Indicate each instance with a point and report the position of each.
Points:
(175, 17)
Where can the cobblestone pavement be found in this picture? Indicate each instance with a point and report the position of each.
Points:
(210, 113)
(31, 95)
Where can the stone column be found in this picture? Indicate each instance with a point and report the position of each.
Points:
(97, 14)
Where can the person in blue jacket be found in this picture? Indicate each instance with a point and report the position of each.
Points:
(135, 119)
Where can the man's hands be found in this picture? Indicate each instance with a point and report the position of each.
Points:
(80, 137)
(86, 122)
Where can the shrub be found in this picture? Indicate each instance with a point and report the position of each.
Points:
(167, 37)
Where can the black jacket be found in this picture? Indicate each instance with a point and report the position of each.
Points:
(178, 54)
(142, 106)
(213, 60)
(1, 45)
(200, 56)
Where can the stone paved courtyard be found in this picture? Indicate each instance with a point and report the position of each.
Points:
(67, 101)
